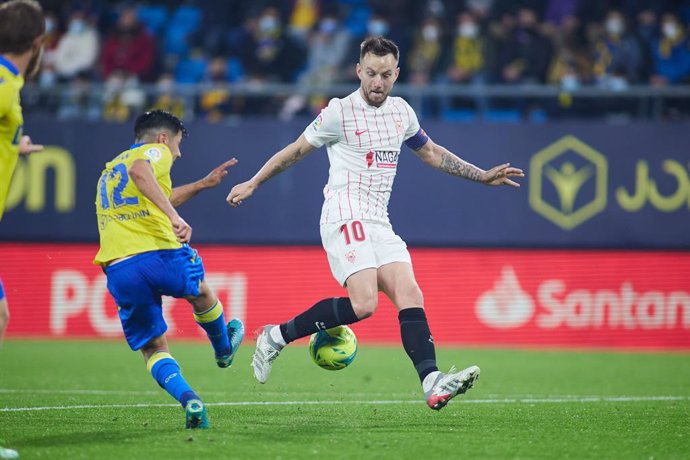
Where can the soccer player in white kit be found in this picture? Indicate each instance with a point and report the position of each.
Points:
(363, 134)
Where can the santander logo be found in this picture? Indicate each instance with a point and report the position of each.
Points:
(556, 305)
(507, 305)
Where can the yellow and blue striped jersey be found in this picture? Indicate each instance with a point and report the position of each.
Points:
(11, 121)
(128, 222)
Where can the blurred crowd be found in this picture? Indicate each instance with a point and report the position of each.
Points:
(611, 44)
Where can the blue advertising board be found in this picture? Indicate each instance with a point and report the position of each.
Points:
(588, 184)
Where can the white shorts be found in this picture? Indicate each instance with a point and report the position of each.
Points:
(355, 245)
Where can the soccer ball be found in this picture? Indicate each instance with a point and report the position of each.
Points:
(334, 348)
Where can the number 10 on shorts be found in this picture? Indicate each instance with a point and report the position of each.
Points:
(357, 231)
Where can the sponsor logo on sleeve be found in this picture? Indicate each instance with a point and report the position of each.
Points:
(316, 125)
(153, 153)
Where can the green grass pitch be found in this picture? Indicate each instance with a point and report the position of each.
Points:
(99, 403)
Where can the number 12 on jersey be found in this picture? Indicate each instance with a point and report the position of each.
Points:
(119, 173)
(357, 231)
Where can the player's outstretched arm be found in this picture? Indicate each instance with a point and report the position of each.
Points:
(184, 193)
(141, 173)
(442, 159)
(278, 163)
(26, 146)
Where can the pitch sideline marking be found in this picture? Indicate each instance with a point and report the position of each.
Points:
(592, 399)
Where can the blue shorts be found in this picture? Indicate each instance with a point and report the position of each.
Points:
(138, 283)
(2, 290)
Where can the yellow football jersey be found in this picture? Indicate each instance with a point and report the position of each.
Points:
(11, 121)
(128, 222)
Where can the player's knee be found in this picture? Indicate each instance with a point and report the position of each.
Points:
(366, 307)
(4, 316)
(410, 297)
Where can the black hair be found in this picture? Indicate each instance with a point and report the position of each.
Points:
(21, 22)
(379, 46)
(156, 120)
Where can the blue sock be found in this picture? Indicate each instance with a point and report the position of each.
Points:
(166, 372)
(213, 322)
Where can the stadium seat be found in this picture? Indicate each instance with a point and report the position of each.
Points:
(186, 17)
(502, 116)
(459, 115)
(183, 21)
(356, 22)
(154, 17)
(190, 70)
(235, 70)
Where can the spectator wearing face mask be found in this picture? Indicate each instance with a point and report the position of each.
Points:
(215, 102)
(129, 48)
(468, 52)
(525, 56)
(77, 50)
(618, 54)
(270, 54)
(47, 76)
(167, 98)
(327, 46)
(424, 60)
(377, 25)
(671, 53)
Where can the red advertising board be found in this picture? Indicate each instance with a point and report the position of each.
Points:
(498, 297)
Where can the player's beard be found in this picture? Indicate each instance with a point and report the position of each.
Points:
(380, 97)
(34, 63)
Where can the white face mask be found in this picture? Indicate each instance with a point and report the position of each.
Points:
(77, 26)
(670, 30)
(268, 24)
(328, 26)
(468, 30)
(430, 33)
(615, 27)
(50, 25)
(377, 27)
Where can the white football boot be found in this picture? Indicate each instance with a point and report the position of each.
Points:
(267, 350)
(447, 386)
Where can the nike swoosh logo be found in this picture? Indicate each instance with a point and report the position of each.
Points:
(359, 133)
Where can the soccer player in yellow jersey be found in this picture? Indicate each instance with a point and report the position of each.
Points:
(21, 42)
(145, 255)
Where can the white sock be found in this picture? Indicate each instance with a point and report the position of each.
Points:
(277, 336)
(429, 381)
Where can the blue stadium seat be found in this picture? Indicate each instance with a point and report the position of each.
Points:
(154, 17)
(191, 70)
(459, 115)
(538, 116)
(357, 20)
(186, 17)
(235, 70)
(183, 21)
(176, 41)
(502, 116)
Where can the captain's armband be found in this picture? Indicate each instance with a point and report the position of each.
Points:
(417, 141)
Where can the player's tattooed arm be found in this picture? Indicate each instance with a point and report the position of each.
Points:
(455, 166)
(442, 159)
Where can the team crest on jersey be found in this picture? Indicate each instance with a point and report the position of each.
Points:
(153, 153)
(398, 125)
(351, 256)
(317, 123)
(386, 159)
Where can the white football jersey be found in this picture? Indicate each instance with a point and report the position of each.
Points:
(363, 144)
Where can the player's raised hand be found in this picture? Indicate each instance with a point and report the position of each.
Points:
(500, 175)
(216, 176)
(240, 192)
(182, 230)
(26, 146)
